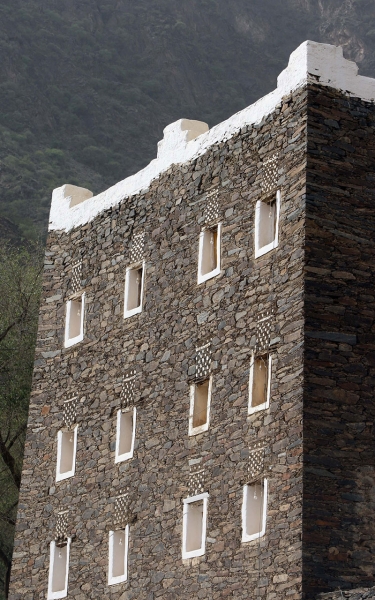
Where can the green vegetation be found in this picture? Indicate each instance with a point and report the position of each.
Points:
(20, 279)
(86, 88)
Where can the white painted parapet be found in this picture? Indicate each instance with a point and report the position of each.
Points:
(185, 140)
(177, 135)
(67, 196)
(67, 210)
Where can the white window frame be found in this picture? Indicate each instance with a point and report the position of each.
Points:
(200, 428)
(200, 551)
(78, 338)
(138, 309)
(260, 251)
(215, 272)
(265, 405)
(63, 593)
(120, 578)
(62, 476)
(121, 457)
(261, 533)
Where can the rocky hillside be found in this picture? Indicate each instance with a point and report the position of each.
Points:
(10, 233)
(87, 87)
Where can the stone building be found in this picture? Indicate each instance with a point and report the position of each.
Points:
(202, 416)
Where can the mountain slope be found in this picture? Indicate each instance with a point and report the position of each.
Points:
(87, 87)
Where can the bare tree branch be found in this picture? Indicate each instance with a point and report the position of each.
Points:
(7, 564)
(8, 520)
(5, 332)
(19, 432)
(21, 316)
(10, 462)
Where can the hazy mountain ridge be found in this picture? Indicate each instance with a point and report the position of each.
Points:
(86, 88)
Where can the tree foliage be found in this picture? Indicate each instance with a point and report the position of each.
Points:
(20, 271)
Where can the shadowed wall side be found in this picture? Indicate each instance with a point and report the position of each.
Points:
(339, 408)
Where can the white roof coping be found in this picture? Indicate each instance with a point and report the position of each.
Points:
(185, 140)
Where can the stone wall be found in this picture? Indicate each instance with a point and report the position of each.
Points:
(339, 406)
(319, 430)
(358, 594)
(160, 343)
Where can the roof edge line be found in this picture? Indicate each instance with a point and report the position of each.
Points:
(186, 140)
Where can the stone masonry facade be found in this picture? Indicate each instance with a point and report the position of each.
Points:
(339, 407)
(358, 594)
(160, 344)
(316, 287)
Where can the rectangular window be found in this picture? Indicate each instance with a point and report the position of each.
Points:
(125, 435)
(209, 253)
(133, 290)
(194, 526)
(66, 453)
(58, 570)
(267, 225)
(75, 309)
(254, 510)
(200, 400)
(260, 383)
(118, 556)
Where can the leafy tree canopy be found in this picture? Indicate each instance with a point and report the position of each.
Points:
(87, 87)
(20, 280)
